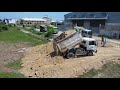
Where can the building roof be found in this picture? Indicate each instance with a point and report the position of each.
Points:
(87, 15)
(33, 19)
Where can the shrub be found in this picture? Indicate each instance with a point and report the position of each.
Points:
(5, 28)
(9, 25)
(0, 29)
(49, 32)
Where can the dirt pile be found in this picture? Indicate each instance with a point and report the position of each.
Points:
(40, 61)
(69, 32)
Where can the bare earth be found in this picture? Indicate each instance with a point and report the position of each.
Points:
(9, 53)
(41, 62)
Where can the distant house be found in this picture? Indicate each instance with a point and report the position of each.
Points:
(12, 21)
(103, 23)
(32, 21)
(6, 21)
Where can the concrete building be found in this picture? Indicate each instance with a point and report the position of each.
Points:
(103, 23)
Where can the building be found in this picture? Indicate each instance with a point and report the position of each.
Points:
(10, 21)
(32, 21)
(107, 23)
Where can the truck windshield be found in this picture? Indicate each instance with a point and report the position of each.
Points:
(90, 33)
(92, 43)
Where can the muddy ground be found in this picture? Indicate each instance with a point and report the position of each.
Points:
(41, 62)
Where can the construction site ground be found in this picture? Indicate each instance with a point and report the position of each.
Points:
(40, 61)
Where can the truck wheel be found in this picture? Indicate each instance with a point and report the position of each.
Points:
(70, 55)
(90, 53)
(80, 51)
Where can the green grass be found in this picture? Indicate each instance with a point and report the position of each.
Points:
(11, 75)
(15, 65)
(110, 70)
(16, 36)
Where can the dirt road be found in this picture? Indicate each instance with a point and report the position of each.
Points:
(39, 61)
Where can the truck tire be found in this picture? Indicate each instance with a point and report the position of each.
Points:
(70, 55)
(80, 51)
(90, 53)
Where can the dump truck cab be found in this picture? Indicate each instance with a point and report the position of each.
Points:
(89, 44)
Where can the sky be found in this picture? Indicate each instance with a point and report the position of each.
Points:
(18, 15)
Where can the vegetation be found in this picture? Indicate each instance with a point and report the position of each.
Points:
(15, 65)
(11, 75)
(110, 70)
(12, 34)
(3, 27)
(16, 36)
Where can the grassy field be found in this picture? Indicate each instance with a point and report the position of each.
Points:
(11, 75)
(15, 65)
(12, 35)
(110, 70)
(16, 36)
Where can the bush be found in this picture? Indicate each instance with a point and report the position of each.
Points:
(0, 29)
(9, 25)
(4, 28)
(49, 32)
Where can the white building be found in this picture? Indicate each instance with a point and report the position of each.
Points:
(12, 21)
(33, 20)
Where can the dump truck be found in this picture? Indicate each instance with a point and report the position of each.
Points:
(74, 45)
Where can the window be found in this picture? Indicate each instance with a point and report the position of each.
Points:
(91, 15)
(83, 16)
(92, 43)
(90, 33)
(74, 16)
(84, 42)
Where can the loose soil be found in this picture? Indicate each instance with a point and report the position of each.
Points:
(40, 61)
